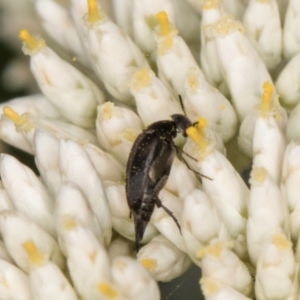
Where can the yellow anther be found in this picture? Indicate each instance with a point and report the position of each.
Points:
(35, 257)
(149, 264)
(214, 250)
(198, 137)
(266, 98)
(31, 42)
(164, 24)
(281, 241)
(93, 15)
(201, 124)
(107, 290)
(21, 122)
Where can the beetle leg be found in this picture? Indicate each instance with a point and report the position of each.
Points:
(159, 204)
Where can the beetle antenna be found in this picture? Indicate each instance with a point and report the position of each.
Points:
(181, 103)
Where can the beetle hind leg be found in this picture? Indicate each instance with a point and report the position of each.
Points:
(170, 213)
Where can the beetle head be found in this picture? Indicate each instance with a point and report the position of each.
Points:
(182, 123)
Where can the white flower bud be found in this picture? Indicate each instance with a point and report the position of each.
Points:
(223, 265)
(277, 270)
(270, 110)
(126, 271)
(143, 14)
(267, 212)
(119, 209)
(268, 146)
(21, 235)
(290, 187)
(15, 283)
(174, 58)
(47, 159)
(71, 92)
(181, 180)
(163, 259)
(165, 223)
(263, 17)
(27, 124)
(4, 255)
(215, 290)
(114, 54)
(237, 57)
(200, 223)
(59, 25)
(48, 282)
(123, 11)
(201, 99)
(293, 125)
(212, 12)
(72, 206)
(105, 164)
(37, 105)
(287, 84)
(153, 100)
(5, 201)
(120, 247)
(291, 37)
(74, 162)
(12, 137)
(28, 194)
(88, 263)
(117, 128)
(197, 5)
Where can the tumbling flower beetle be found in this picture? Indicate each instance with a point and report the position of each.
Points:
(148, 169)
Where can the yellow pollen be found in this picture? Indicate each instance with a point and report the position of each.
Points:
(36, 258)
(259, 174)
(281, 241)
(107, 110)
(210, 4)
(69, 223)
(265, 103)
(214, 250)
(107, 290)
(20, 121)
(227, 25)
(141, 79)
(193, 80)
(130, 134)
(93, 15)
(164, 24)
(31, 42)
(209, 285)
(150, 263)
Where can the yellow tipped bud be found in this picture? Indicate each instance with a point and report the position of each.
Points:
(211, 4)
(141, 79)
(107, 290)
(130, 134)
(21, 122)
(69, 223)
(209, 285)
(227, 25)
(214, 250)
(31, 42)
(36, 258)
(281, 242)
(259, 174)
(149, 264)
(164, 24)
(107, 110)
(265, 103)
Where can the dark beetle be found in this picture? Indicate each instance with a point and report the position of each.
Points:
(148, 168)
